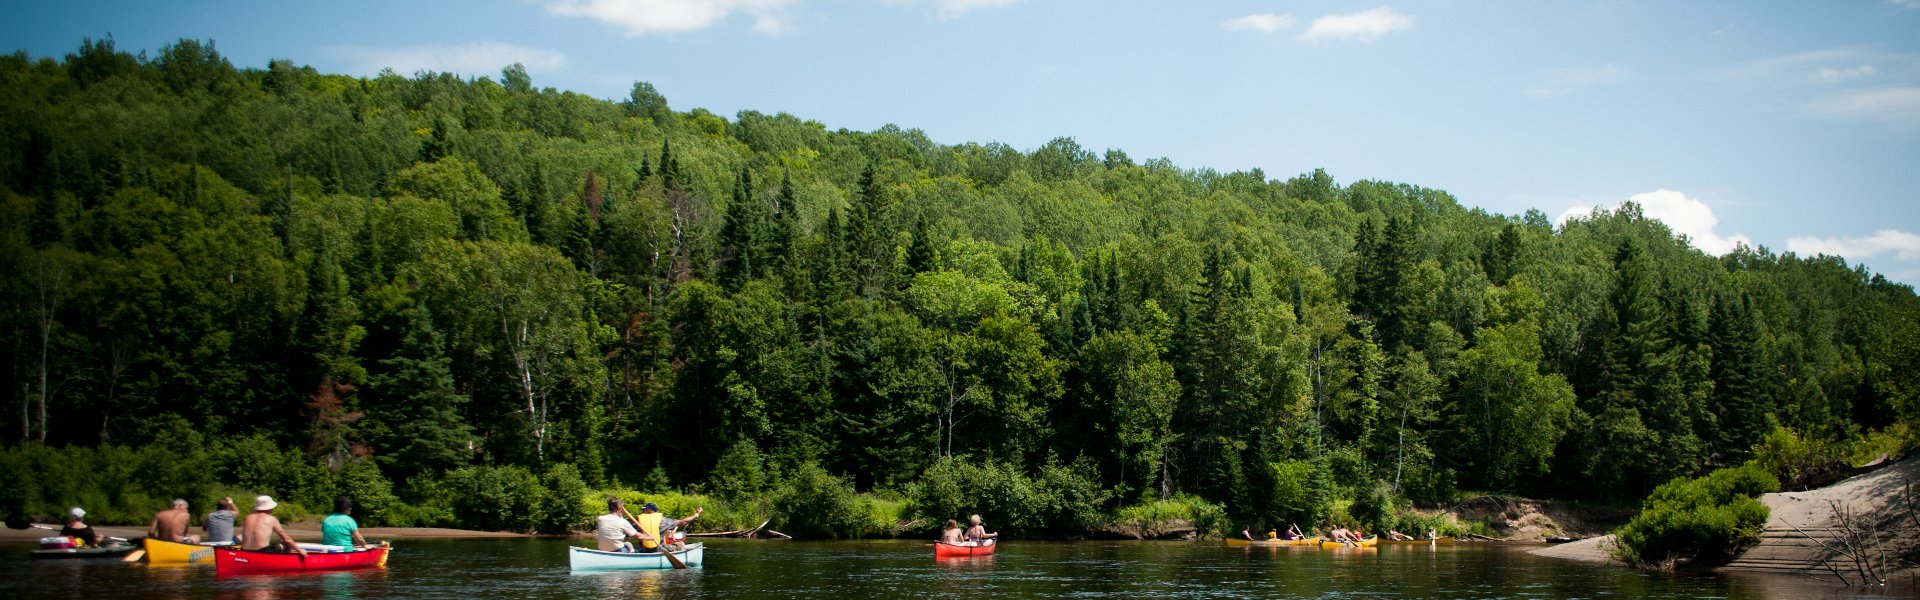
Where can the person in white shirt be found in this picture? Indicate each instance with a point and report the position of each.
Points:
(611, 530)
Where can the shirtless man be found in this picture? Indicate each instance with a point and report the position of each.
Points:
(171, 524)
(261, 529)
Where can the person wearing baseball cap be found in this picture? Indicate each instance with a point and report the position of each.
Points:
(657, 527)
(79, 530)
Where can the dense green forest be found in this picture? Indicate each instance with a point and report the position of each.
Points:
(283, 281)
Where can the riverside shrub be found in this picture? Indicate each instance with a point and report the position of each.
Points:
(1703, 521)
(815, 503)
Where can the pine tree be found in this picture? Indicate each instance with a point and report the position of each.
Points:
(1742, 401)
(741, 236)
(418, 408)
(920, 256)
(784, 233)
(863, 238)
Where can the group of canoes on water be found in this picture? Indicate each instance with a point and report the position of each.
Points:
(260, 545)
(1335, 537)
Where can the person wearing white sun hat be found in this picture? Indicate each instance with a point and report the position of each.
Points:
(262, 529)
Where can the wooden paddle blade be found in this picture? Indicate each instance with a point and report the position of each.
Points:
(135, 556)
(677, 563)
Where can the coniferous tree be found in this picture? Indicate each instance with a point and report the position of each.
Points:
(742, 236)
(1741, 399)
(921, 256)
(417, 413)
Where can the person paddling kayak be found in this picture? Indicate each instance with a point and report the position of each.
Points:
(79, 530)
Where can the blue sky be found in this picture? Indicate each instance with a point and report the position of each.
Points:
(1793, 125)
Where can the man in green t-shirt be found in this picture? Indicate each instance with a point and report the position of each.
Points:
(338, 529)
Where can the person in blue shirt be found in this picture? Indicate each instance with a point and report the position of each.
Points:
(338, 529)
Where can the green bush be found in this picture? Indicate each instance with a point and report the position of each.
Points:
(1070, 496)
(1704, 521)
(1798, 462)
(371, 493)
(495, 498)
(1416, 524)
(1301, 492)
(955, 489)
(1373, 505)
(740, 474)
(814, 503)
(1207, 518)
(562, 507)
(430, 504)
(259, 464)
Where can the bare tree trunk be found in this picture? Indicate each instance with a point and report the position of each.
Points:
(48, 306)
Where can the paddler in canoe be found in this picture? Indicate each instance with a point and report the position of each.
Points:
(261, 531)
(611, 530)
(1394, 534)
(339, 528)
(953, 534)
(1293, 532)
(171, 524)
(219, 523)
(978, 533)
(1342, 535)
(661, 529)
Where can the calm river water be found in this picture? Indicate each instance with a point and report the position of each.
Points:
(527, 569)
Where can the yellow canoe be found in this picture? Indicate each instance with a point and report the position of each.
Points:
(161, 552)
(1366, 543)
(1246, 543)
(1418, 542)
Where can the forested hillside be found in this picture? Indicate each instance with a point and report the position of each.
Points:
(290, 281)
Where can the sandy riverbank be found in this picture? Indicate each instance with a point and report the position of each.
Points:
(1799, 523)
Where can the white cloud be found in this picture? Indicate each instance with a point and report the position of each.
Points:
(1791, 67)
(1365, 26)
(1685, 216)
(1563, 81)
(952, 9)
(480, 58)
(1262, 22)
(1833, 75)
(1896, 106)
(1901, 244)
(642, 17)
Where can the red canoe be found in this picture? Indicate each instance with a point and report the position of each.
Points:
(228, 561)
(963, 549)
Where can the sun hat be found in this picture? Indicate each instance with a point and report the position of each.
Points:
(264, 503)
(77, 513)
(650, 506)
